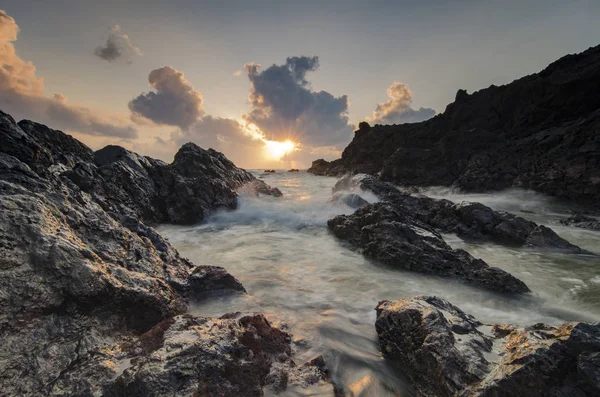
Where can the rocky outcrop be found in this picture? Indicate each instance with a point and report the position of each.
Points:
(391, 236)
(539, 132)
(83, 276)
(446, 352)
(582, 221)
(352, 200)
(470, 221)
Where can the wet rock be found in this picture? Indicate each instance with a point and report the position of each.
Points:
(470, 221)
(352, 200)
(539, 132)
(193, 356)
(582, 221)
(210, 280)
(445, 352)
(389, 235)
(81, 273)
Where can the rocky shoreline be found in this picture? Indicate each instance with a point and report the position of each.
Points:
(92, 296)
(539, 132)
(94, 299)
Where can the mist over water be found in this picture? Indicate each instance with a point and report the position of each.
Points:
(323, 293)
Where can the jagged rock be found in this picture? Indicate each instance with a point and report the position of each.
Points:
(582, 221)
(470, 221)
(81, 274)
(194, 356)
(324, 167)
(352, 200)
(391, 236)
(539, 132)
(445, 352)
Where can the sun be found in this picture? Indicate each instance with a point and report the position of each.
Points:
(279, 149)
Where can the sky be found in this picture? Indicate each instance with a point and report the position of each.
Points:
(248, 78)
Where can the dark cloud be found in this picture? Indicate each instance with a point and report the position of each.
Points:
(285, 107)
(22, 94)
(174, 102)
(117, 46)
(397, 109)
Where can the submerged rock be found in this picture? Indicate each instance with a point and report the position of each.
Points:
(582, 221)
(446, 352)
(470, 221)
(385, 233)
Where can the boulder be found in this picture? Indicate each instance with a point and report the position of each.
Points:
(389, 235)
(446, 352)
(352, 200)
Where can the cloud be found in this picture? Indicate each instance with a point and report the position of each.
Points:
(117, 46)
(284, 106)
(22, 94)
(397, 109)
(174, 102)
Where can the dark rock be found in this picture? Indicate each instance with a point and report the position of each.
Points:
(82, 276)
(324, 168)
(539, 132)
(391, 236)
(470, 221)
(210, 279)
(582, 221)
(294, 170)
(269, 171)
(420, 335)
(352, 200)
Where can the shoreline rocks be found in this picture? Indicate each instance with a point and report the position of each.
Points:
(389, 236)
(446, 352)
(538, 132)
(83, 276)
(469, 221)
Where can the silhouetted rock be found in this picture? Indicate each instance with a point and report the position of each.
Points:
(446, 352)
(539, 132)
(391, 236)
(294, 170)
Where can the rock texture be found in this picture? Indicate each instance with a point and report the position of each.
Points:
(81, 273)
(582, 221)
(470, 221)
(540, 132)
(446, 352)
(390, 236)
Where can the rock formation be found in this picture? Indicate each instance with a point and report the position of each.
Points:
(446, 352)
(539, 132)
(86, 283)
(391, 236)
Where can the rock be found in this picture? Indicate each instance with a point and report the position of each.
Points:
(539, 132)
(389, 235)
(445, 352)
(470, 221)
(352, 200)
(326, 168)
(585, 222)
(269, 171)
(294, 170)
(83, 276)
(191, 356)
(210, 279)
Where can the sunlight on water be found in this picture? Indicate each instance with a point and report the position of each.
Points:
(323, 293)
